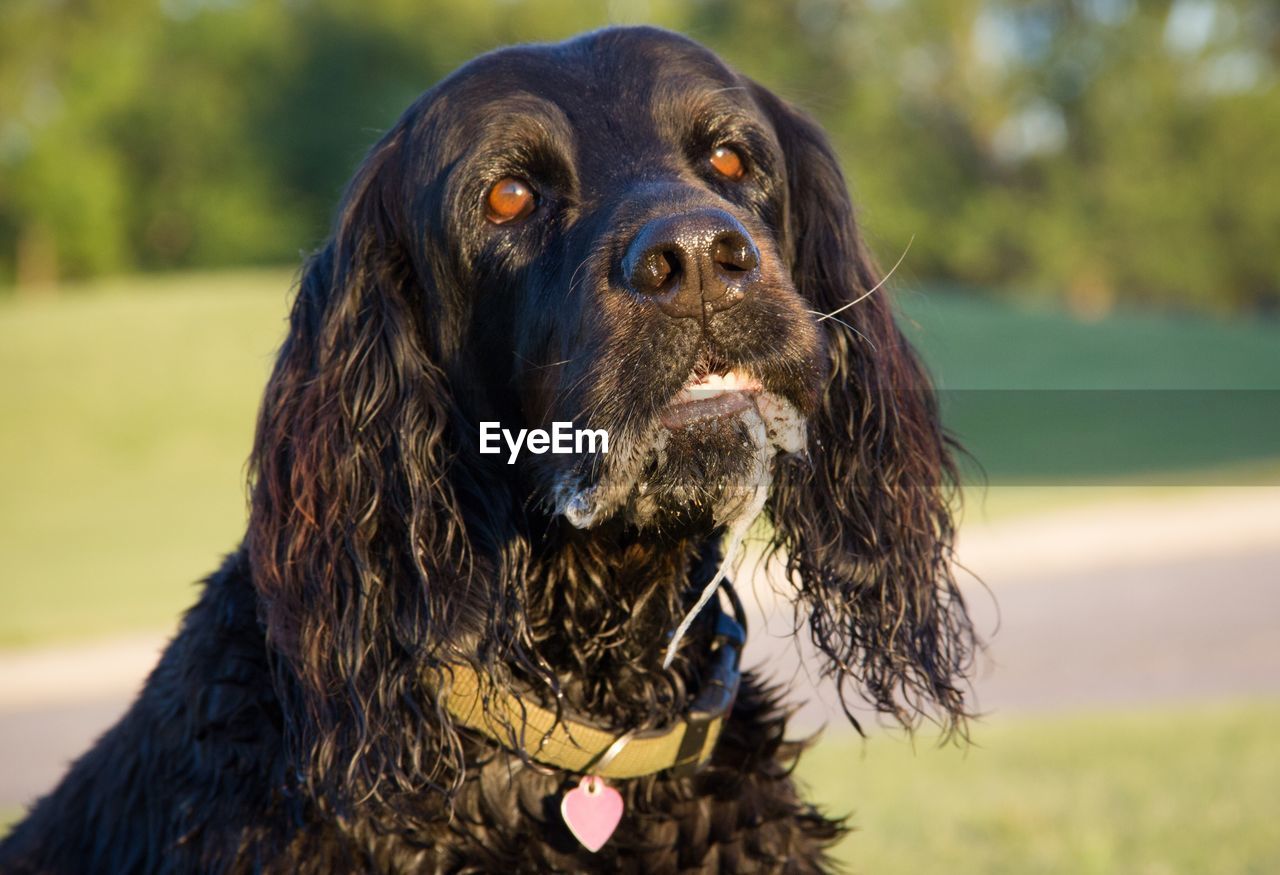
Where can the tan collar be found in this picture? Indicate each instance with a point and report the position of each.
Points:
(579, 747)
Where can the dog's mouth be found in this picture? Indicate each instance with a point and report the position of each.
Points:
(708, 451)
(717, 391)
(710, 395)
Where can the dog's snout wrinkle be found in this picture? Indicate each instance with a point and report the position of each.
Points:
(692, 264)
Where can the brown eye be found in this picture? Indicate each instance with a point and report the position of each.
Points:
(509, 199)
(728, 163)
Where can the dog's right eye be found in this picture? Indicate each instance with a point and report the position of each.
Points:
(510, 200)
(727, 161)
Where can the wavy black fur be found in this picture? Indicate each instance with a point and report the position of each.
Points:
(287, 727)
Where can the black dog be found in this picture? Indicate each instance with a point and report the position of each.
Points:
(420, 650)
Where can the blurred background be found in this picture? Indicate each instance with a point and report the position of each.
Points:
(1083, 201)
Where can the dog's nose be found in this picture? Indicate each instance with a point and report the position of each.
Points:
(692, 263)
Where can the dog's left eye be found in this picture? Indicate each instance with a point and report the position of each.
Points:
(727, 162)
(509, 200)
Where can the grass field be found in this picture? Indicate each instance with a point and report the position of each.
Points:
(1170, 792)
(126, 413)
(127, 418)
(973, 343)
(1151, 793)
(1042, 399)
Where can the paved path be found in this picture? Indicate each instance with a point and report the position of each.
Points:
(1206, 628)
(37, 745)
(1182, 602)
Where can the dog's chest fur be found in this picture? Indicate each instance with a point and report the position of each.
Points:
(201, 754)
(740, 814)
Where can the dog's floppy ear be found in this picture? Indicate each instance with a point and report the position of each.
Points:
(359, 550)
(866, 527)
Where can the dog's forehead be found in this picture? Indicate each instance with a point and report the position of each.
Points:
(620, 81)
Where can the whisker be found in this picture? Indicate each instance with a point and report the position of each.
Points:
(874, 288)
(534, 367)
(574, 277)
(846, 325)
(566, 391)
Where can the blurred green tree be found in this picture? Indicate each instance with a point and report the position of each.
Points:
(1091, 150)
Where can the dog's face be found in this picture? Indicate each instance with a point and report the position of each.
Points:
(620, 233)
(615, 208)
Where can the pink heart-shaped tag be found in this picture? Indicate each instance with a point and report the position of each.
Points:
(592, 810)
